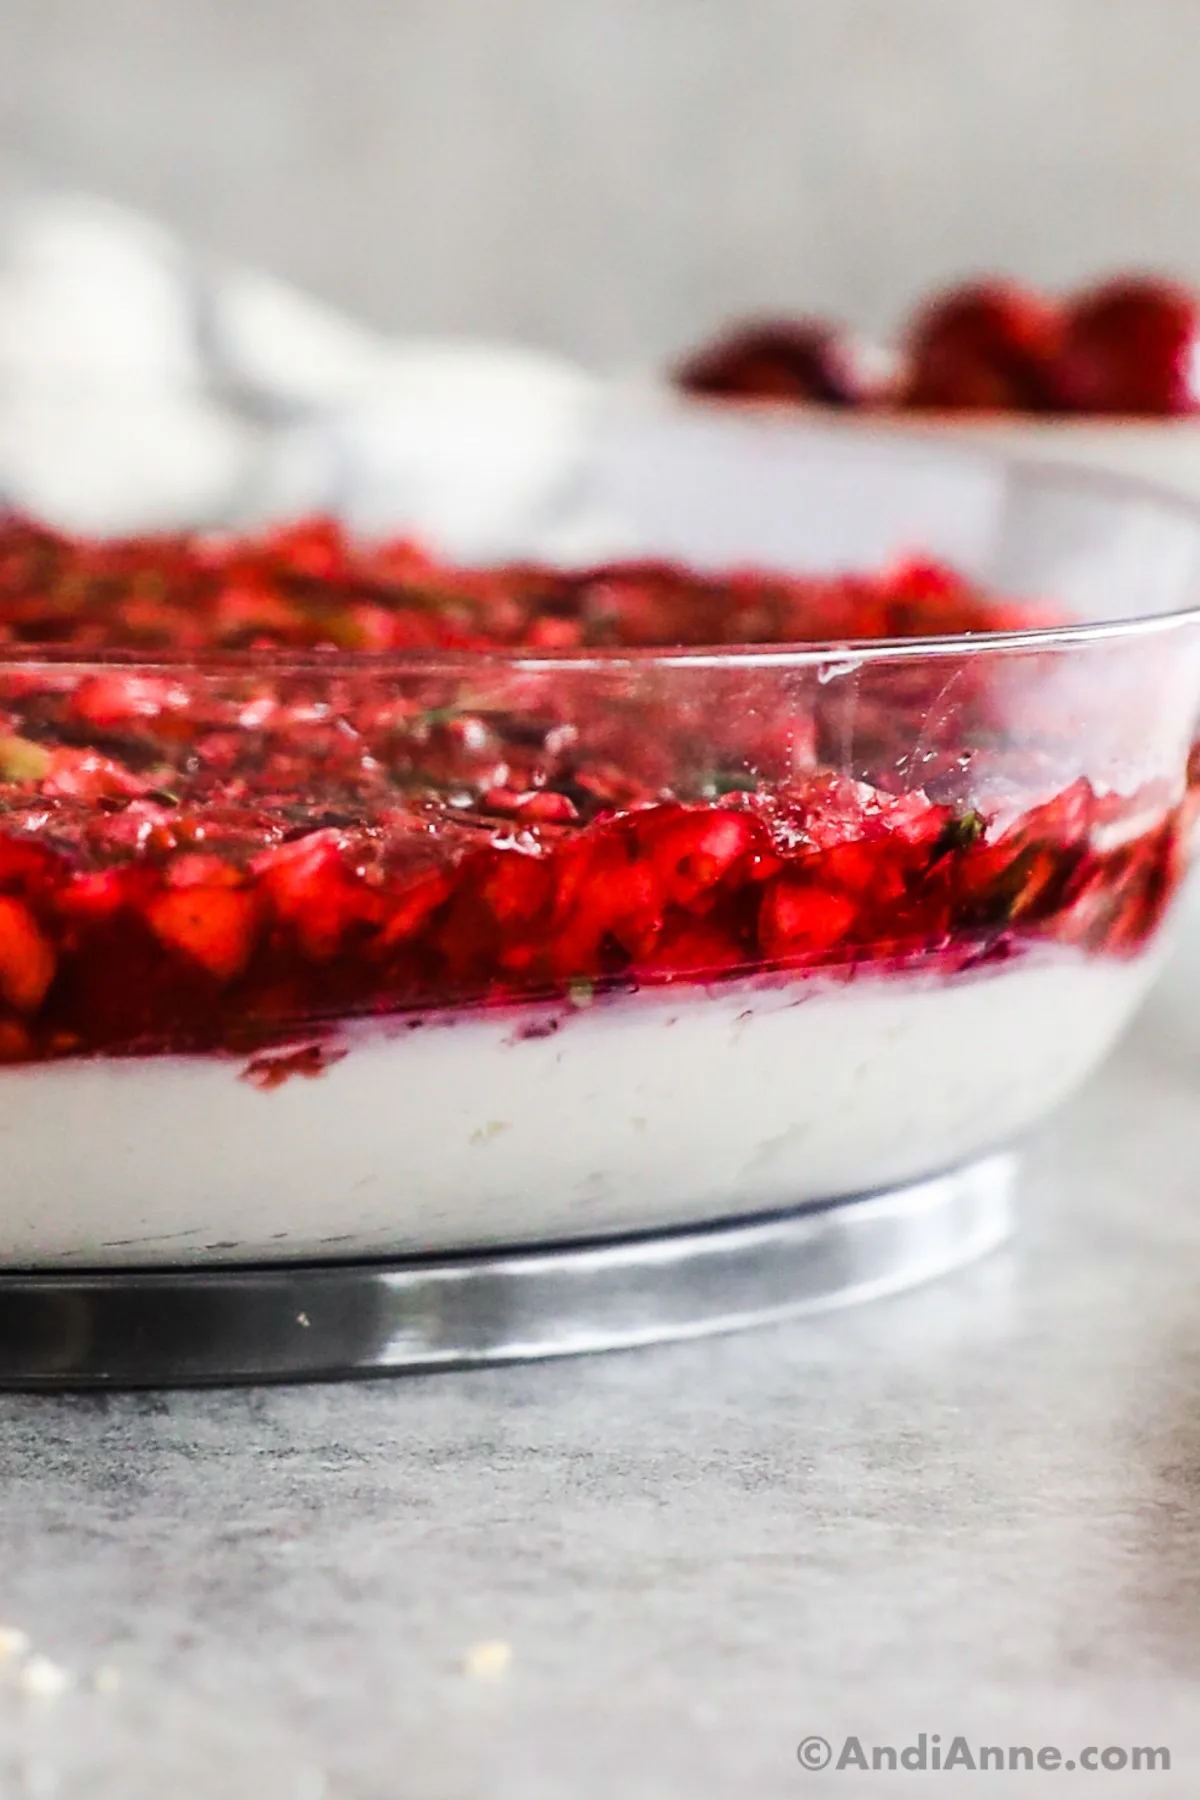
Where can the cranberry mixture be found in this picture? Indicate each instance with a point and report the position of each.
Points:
(309, 588)
(1127, 348)
(224, 857)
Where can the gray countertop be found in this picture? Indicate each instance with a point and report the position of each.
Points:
(972, 1510)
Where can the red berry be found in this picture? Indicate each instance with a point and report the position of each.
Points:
(691, 848)
(539, 806)
(412, 907)
(311, 889)
(315, 547)
(606, 896)
(104, 701)
(555, 634)
(1130, 347)
(985, 347)
(29, 868)
(694, 948)
(215, 926)
(86, 775)
(200, 868)
(27, 959)
(798, 360)
(516, 888)
(1021, 876)
(798, 918)
(95, 897)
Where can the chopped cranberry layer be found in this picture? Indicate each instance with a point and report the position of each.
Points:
(310, 587)
(221, 857)
(185, 946)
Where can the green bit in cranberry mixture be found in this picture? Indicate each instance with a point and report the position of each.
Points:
(199, 853)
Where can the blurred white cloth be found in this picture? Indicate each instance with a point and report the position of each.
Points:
(141, 388)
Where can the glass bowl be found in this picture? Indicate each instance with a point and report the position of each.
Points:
(544, 947)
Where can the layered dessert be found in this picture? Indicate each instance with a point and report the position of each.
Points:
(353, 902)
(1107, 377)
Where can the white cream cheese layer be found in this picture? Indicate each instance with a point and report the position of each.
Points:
(638, 1112)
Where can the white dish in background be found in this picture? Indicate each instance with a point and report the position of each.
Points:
(1163, 451)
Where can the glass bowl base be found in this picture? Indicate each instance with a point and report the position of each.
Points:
(203, 1326)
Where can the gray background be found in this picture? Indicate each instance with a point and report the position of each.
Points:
(610, 176)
